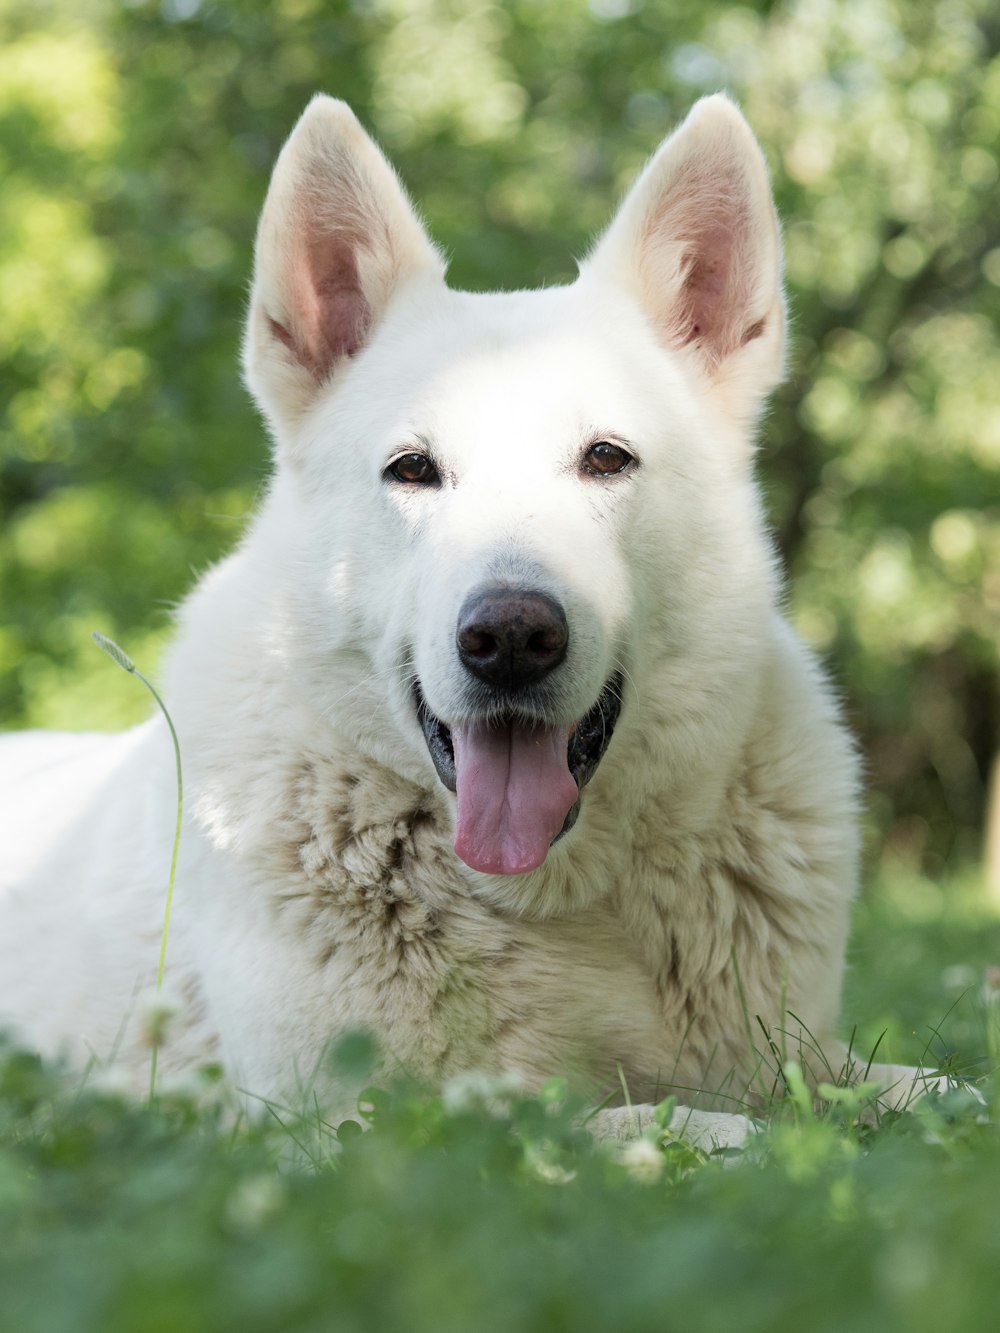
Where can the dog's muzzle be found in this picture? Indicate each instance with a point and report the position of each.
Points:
(518, 784)
(517, 775)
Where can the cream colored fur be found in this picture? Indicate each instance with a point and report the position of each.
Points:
(703, 896)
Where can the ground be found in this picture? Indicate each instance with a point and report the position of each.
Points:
(480, 1210)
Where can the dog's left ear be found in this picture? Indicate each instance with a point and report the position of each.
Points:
(337, 240)
(696, 242)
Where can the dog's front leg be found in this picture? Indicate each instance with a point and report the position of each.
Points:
(707, 1130)
(900, 1086)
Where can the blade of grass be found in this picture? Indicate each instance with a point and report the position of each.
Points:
(122, 659)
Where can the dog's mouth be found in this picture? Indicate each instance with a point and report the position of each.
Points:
(517, 784)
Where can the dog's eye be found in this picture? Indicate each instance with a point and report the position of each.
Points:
(604, 459)
(414, 470)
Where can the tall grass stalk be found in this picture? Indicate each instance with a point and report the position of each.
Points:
(122, 659)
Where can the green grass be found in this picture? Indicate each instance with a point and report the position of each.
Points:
(453, 1215)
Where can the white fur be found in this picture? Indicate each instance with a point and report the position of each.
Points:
(707, 883)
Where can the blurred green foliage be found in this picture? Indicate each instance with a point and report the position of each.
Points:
(136, 140)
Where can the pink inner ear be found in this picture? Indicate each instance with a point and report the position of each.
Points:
(330, 317)
(708, 215)
(717, 287)
(706, 286)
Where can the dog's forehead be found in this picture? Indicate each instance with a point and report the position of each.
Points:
(521, 366)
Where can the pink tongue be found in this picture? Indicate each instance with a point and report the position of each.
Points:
(514, 793)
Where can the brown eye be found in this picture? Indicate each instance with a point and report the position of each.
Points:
(604, 459)
(414, 470)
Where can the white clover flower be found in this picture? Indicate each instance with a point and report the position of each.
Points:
(156, 1011)
(475, 1090)
(960, 976)
(541, 1159)
(254, 1201)
(643, 1161)
(111, 1081)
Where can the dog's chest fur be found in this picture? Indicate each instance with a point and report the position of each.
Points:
(654, 973)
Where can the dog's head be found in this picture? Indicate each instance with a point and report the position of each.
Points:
(517, 516)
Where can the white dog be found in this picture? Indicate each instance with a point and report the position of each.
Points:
(496, 741)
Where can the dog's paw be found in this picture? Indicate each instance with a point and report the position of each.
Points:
(709, 1131)
(901, 1086)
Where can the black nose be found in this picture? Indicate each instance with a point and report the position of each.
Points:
(511, 637)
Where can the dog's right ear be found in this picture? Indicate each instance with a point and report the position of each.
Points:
(337, 239)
